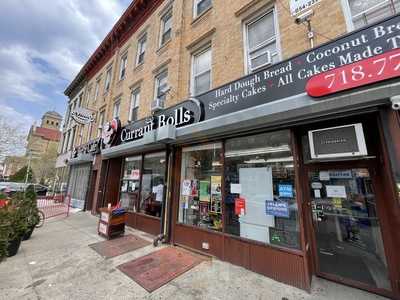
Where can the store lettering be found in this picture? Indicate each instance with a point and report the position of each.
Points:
(179, 118)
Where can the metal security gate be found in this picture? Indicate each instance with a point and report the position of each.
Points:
(78, 184)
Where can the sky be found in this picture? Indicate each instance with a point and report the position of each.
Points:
(43, 45)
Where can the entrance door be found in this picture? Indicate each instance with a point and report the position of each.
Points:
(348, 240)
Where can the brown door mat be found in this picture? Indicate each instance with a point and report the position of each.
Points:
(119, 246)
(154, 270)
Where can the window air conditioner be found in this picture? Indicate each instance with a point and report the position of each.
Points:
(157, 105)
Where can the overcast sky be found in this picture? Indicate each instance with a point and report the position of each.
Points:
(43, 44)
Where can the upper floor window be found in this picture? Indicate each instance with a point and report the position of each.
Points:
(116, 109)
(201, 6)
(100, 123)
(201, 72)
(122, 67)
(261, 45)
(161, 85)
(88, 94)
(134, 106)
(141, 49)
(364, 12)
(96, 90)
(107, 83)
(166, 27)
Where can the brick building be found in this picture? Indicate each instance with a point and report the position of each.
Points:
(212, 123)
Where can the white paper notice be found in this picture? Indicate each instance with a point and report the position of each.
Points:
(336, 191)
(159, 191)
(324, 176)
(186, 187)
(317, 193)
(236, 188)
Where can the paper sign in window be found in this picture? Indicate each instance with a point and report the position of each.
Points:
(336, 191)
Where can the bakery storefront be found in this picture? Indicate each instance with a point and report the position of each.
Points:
(290, 172)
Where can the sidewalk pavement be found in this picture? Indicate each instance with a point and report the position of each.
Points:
(56, 263)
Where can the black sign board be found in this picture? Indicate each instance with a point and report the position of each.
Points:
(92, 147)
(183, 114)
(289, 77)
(340, 141)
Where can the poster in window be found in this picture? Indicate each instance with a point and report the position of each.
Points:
(204, 191)
(158, 190)
(135, 174)
(216, 185)
(240, 206)
(186, 187)
(195, 188)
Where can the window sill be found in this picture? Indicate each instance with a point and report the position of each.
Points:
(202, 16)
(138, 67)
(163, 47)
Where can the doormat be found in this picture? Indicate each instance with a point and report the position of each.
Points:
(154, 270)
(118, 246)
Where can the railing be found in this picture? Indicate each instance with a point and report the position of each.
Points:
(53, 206)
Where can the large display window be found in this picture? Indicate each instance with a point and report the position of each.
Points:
(153, 184)
(260, 194)
(200, 202)
(143, 183)
(130, 183)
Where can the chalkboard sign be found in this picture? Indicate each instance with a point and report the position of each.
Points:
(288, 239)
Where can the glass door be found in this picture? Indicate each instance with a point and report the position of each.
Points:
(347, 231)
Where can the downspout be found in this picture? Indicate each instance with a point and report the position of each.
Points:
(165, 208)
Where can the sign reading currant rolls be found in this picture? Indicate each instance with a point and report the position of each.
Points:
(290, 77)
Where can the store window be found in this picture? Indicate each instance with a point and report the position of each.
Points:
(200, 6)
(201, 72)
(261, 44)
(364, 12)
(200, 201)
(141, 49)
(166, 27)
(260, 194)
(153, 184)
(134, 106)
(130, 183)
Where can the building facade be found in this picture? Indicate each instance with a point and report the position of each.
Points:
(254, 131)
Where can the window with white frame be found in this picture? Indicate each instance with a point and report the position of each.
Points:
(201, 72)
(88, 94)
(96, 90)
(166, 27)
(261, 44)
(161, 85)
(122, 67)
(134, 106)
(364, 12)
(100, 123)
(107, 83)
(201, 6)
(141, 49)
(116, 109)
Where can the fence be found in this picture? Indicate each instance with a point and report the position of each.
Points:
(56, 205)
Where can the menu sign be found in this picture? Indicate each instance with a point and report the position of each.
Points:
(290, 77)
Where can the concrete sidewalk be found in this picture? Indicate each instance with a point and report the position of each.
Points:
(56, 263)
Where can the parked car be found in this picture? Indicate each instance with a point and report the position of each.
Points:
(13, 187)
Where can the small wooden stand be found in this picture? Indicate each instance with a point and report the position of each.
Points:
(110, 226)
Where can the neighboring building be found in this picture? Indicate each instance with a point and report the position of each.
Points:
(220, 133)
(12, 164)
(41, 138)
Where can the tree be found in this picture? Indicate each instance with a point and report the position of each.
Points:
(44, 167)
(20, 175)
(12, 139)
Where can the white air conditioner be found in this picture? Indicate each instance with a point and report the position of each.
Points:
(157, 105)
